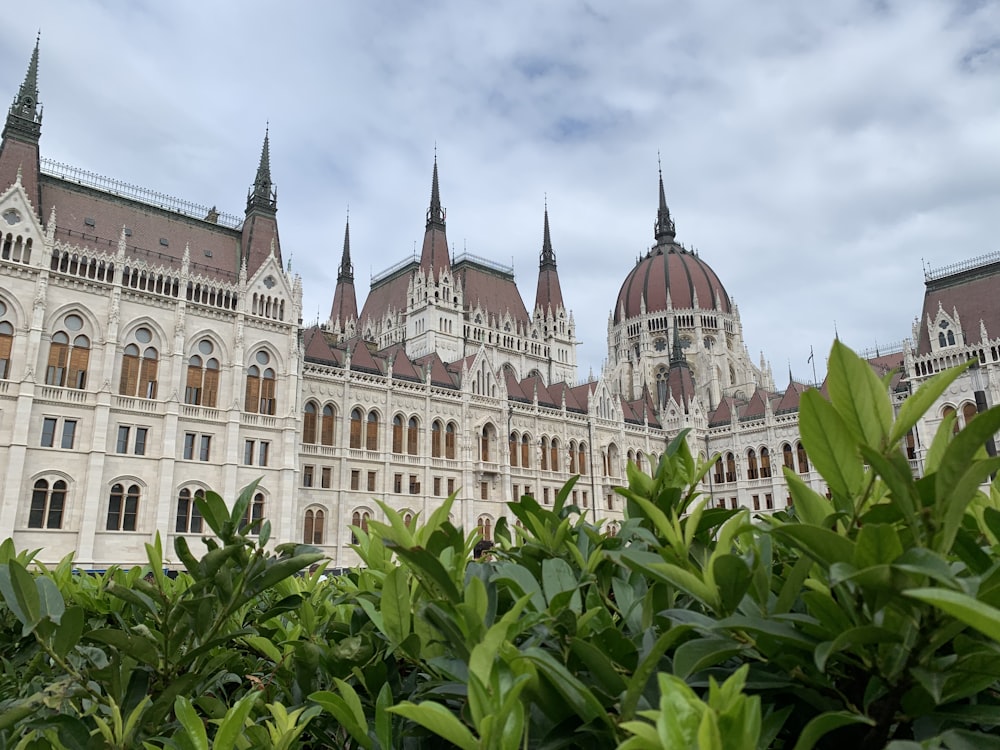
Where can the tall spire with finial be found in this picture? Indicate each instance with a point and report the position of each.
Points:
(665, 231)
(263, 195)
(345, 301)
(548, 294)
(21, 133)
(434, 253)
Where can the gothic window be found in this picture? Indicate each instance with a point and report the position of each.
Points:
(525, 452)
(411, 436)
(47, 504)
(968, 412)
(326, 426)
(254, 515)
(582, 458)
(188, 519)
(485, 527)
(260, 398)
(787, 458)
(313, 526)
(6, 342)
(202, 386)
(572, 457)
(140, 363)
(69, 355)
(765, 463)
(359, 520)
(309, 423)
(371, 432)
(512, 445)
(357, 418)
(397, 434)
(544, 465)
(449, 440)
(951, 338)
(661, 386)
(554, 457)
(123, 507)
(752, 472)
(485, 439)
(803, 459)
(436, 439)
(941, 340)
(719, 471)
(730, 467)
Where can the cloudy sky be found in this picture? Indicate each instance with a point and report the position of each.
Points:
(817, 155)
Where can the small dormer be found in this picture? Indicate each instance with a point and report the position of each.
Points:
(945, 331)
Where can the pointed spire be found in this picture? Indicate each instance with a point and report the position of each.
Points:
(435, 213)
(24, 119)
(346, 267)
(677, 352)
(547, 259)
(665, 230)
(548, 292)
(263, 195)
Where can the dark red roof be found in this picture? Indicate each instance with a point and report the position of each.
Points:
(674, 270)
(973, 290)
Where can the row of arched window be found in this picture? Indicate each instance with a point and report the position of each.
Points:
(49, 498)
(68, 364)
(758, 463)
(552, 455)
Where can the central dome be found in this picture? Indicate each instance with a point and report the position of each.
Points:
(670, 271)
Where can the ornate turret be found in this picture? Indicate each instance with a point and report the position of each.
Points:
(260, 228)
(434, 253)
(21, 132)
(665, 231)
(345, 302)
(548, 296)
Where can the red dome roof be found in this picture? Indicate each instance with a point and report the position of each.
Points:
(671, 267)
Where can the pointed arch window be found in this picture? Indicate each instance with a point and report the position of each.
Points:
(752, 471)
(802, 458)
(359, 520)
(309, 423)
(313, 526)
(787, 456)
(69, 355)
(719, 475)
(371, 432)
(47, 504)
(123, 507)
(525, 452)
(581, 458)
(968, 412)
(397, 434)
(765, 463)
(140, 363)
(254, 515)
(436, 439)
(449, 440)
(188, 520)
(512, 445)
(485, 439)
(485, 528)
(202, 386)
(260, 389)
(544, 458)
(730, 467)
(327, 425)
(357, 420)
(554, 454)
(6, 342)
(412, 428)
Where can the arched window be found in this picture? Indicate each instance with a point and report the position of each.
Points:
(138, 377)
(572, 457)
(544, 462)
(525, 452)
(260, 388)
(554, 457)
(69, 355)
(408, 519)
(123, 507)
(752, 472)
(485, 438)
(6, 342)
(765, 463)
(485, 527)
(803, 459)
(941, 340)
(313, 526)
(719, 471)
(436, 447)
(449, 440)
(202, 386)
(411, 436)
(327, 426)
(512, 445)
(730, 467)
(309, 423)
(359, 520)
(951, 338)
(188, 516)
(47, 504)
(611, 529)
(357, 419)
(582, 458)
(371, 432)
(787, 457)
(397, 434)
(968, 412)
(254, 515)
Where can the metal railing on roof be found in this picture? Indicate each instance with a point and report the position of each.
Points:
(931, 274)
(393, 269)
(485, 262)
(134, 192)
(881, 350)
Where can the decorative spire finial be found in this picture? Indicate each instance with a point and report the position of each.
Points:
(665, 231)
(24, 116)
(346, 267)
(548, 257)
(263, 194)
(435, 213)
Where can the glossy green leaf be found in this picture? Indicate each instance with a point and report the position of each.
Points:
(231, 726)
(858, 396)
(822, 545)
(191, 721)
(831, 446)
(700, 653)
(558, 578)
(876, 544)
(440, 721)
(810, 506)
(971, 611)
(922, 399)
(395, 605)
(825, 723)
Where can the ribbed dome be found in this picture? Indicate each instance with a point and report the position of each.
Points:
(669, 267)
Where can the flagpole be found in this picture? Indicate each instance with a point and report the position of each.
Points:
(812, 358)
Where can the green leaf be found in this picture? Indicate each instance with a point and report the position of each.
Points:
(383, 719)
(917, 404)
(557, 578)
(647, 667)
(822, 545)
(138, 647)
(826, 723)
(859, 636)
(810, 506)
(521, 581)
(732, 577)
(700, 653)
(577, 696)
(953, 504)
(971, 611)
(830, 444)
(50, 600)
(439, 720)
(877, 544)
(428, 570)
(395, 605)
(194, 727)
(859, 397)
(19, 591)
(232, 724)
(67, 635)
(965, 446)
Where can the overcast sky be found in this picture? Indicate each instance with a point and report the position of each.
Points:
(817, 155)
